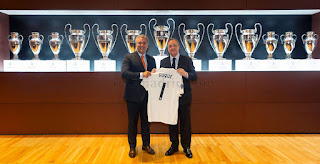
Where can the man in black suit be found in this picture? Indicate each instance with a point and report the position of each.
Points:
(134, 67)
(185, 68)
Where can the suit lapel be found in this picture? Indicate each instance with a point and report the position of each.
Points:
(138, 60)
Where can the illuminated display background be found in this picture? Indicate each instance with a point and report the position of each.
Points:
(299, 24)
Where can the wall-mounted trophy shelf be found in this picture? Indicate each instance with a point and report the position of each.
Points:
(110, 65)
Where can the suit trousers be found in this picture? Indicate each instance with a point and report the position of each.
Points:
(134, 110)
(185, 127)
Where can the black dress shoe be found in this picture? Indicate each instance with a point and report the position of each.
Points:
(132, 152)
(148, 149)
(188, 153)
(171, 150)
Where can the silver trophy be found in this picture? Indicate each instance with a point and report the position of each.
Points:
(130, 39)
(248, 39)
(271, 41)
(221, 39)
(35, 43)
(289, 42)
(15, 41)
(191, 40)
(310, 42)
(105, 41)
(161, 34)
(77, 40)
(55, 41)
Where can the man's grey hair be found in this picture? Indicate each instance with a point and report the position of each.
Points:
(143, 37)
(175, 40)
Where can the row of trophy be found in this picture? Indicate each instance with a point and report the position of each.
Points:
(191, 39)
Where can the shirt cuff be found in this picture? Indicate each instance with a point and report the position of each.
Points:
(141, 75)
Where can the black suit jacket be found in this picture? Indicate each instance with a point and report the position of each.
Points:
(130, 70)
(186, 63)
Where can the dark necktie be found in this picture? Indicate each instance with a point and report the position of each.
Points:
(173, 63)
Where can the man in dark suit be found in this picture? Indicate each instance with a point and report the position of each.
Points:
(185, 68)
(134, 67)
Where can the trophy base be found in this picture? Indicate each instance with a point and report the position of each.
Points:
(15, 57)
(36, 57)
(309, 56)
(105, 57)
(248, 57)
(288, 56)
(77, 57)
(270, 57)
(56, 57)
(220, 57)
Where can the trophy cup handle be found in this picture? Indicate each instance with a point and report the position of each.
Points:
(20, 36)
(231, 33)
(29, 37)
(153, 19)
(61, 38)
(316, 36)
(263, 38)
(115, 38)
(255, 26)
(182, 40)
(173, 24)
(94, 38)
(84, 27)
(208, 32)
(124, 41)
(281, 38)
(41, 36)
(294, 36)
(145, 29)
(65, 32)
(302, 37)
(236, 32)
(50, 36)
(203, 30)
(276, 36)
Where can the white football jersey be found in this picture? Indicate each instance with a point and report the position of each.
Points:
(164, 89)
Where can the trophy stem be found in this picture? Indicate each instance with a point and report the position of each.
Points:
(220, 56)
(161, 53)
(310, 56)
(36, 57)
(15, 57)
(56, 57)
(77, 57)
(288, 56)
(248, 56)
(105, 57)
(270, 56)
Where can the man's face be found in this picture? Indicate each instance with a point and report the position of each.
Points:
(142, 45)
(173, 48)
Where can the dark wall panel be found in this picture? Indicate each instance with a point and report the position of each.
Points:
(180, 4)
(221, 87)
(223, 102)
(61, 88)
(58, 5)
(282, 4)
(282, 117)
(290, 87)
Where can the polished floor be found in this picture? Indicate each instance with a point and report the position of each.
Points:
(206, 148)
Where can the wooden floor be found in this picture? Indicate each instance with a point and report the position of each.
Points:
(206, 148)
